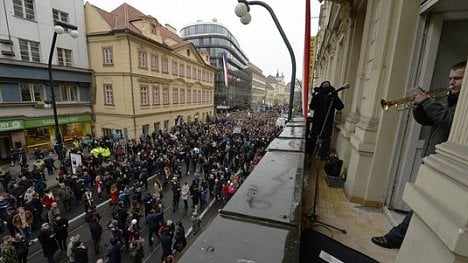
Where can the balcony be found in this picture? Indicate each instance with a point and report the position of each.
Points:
(268, 219)
(361, 223)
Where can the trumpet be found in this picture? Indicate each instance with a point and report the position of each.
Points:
(407, 102)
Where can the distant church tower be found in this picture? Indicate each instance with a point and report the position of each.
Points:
(279, 79)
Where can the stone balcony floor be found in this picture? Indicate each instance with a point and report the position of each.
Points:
(361, 223)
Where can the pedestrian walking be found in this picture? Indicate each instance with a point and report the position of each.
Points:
(60, 227)
(49, 165)
(53, 211)
(179, 235)
(81, 252)
(158, 188)
(49, 245)
(114, 193)
(96, 233)
(166, 243)
(99, 186)
(22, 220)
(71, 247)
(8, 251)
(22, 247)
(88, 199)
(114, 252)
(137, 252)
(154, 224)
(185, 193)
(176, 192)
(65, 194)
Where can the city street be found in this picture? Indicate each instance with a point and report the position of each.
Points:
(77, 224)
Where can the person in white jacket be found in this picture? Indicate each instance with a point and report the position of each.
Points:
(185, 194)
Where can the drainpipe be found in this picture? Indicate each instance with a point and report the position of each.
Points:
(131, 74)
(8, 29)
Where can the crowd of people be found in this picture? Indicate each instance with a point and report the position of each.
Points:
(216, 155)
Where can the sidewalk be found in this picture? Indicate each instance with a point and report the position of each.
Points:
(51, 181)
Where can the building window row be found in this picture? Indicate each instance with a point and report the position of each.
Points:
(180, 95)
(35, 92)
(178, 68)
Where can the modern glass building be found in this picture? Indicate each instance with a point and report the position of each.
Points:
(216, 39)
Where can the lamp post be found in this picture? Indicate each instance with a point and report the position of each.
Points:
(242, 10)
(59, 28)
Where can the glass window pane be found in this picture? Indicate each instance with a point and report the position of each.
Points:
(38, 92)
(25, 92)
(24, 50)
(35, 53)
(29, 8)
(73, 93)
(18, 8)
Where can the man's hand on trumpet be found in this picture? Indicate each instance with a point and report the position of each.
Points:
(419, 95)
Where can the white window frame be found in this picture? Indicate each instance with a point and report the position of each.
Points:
(20, 9)
(107, 56)
(31, 49)
(144, 101)
(175, 68)
(182, 95)
(32, 88)
(156, 94)
(165, 65)
(64, 57)
(155, 62)
(69, 93)
(182, 69)
(108, 94)
(142, 58)
(175, 95)
(189, 72)
(165, 94)
(59, 15)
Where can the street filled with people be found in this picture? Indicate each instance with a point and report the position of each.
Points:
(126, 200)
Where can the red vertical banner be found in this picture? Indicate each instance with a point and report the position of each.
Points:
(306, 66)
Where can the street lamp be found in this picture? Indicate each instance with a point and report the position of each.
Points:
(242, 10)
(59, 28)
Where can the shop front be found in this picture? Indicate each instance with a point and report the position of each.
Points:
(11, 136)
(40, 133)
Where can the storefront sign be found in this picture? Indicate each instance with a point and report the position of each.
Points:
(11, 125)
(61, 120)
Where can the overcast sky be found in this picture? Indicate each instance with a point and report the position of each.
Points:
(260, 39)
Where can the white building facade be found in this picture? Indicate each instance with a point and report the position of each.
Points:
(26, 31)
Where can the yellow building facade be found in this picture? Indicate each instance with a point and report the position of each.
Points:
(146, 78)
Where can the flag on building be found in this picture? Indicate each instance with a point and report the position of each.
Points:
(225, 69)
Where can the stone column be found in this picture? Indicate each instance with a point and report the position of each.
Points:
(438, 231)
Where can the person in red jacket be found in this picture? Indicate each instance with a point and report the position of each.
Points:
(114, 193)
(48, 199)
(225, 192)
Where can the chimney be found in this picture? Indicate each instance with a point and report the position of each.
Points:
(171, 28)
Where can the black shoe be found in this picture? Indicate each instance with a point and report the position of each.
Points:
(386, 242)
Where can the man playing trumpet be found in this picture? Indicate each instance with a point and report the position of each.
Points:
(439, 115)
